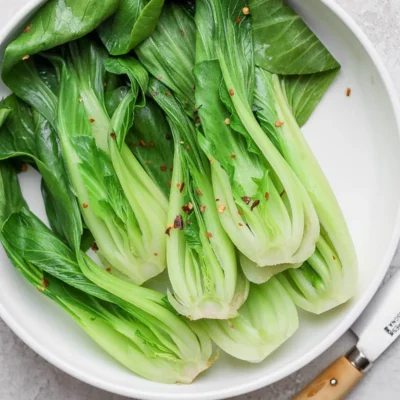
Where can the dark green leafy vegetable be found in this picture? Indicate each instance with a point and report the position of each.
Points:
(133, 22)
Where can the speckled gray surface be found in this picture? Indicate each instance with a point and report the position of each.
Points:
(26, 376)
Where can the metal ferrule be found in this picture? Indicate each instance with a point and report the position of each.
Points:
(358, 360)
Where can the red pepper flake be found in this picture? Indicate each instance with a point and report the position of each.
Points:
(203, 209)
(198, 191)
(27, 29)
(159, 77)
(163, 168)
(112, 134)
(233, 156)
(182, 32)
(240, 224)
(188, 222)
(246, 10)
(197, 120)
(212, 161)
(283, 193)
(182, 186)
(142, 143)
(221, 208)
(246, 199)
(178, 223)
(254, 205)
(187, 208)
(156, 254)
(240, 212)
(25, 57)
(238, 19)
(168, 93)
(95, 247)
(108, 269)
(216, 199)
(24, 167)
(231, 92)
(151, 144)
(348, 92)
(209, 234)
(168, 230)
(84, 205)
(91, 120)
(266, 196)
(334, 257)
(278, 124)
(45, 282)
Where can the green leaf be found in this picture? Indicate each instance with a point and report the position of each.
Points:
(169, 53)
(284, 44)
(304, 92)
(150, 140)
(57, 22)
(133, 22)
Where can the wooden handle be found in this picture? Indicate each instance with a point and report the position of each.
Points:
(334, 383)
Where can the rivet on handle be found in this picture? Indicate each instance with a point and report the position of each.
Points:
(333, 382)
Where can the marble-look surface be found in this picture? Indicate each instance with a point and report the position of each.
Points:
(26, 376)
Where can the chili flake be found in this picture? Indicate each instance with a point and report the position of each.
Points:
(334, 257)
(283, 193)
(266, 196)
(84, 205)
(163, 168)
(203, 209)
(209, 234)
(28, 28)
(151, 144)
(278, 124)
(45, 282)
(142, 143)
(91, 120)
(233, 156)
(254, 205)
(240, 212)
(238, 19)
(182, 186)
(156, 254)
(348, 92)
(246, 199)
(112, 134)
(188, 222)
(212, 161)
(168, 93)
(108, 269)
(178, 223)
(95, 247)
(198, 191)
(231, 92)
(187, 208)
(240, 224)
(216, 199)
(221, 208)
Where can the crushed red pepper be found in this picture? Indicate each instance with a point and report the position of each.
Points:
(238, 19)
(188, 208)
(198, 191)
(163, 168)
(178, 223)
(348, 92)
(233, 156)
(168, 93)
(156, 254)
(246, 199)
(45, 282)
(334, 257)
(91, 120)
(182, 186)
(95, 247)
(240, 224)
(278, 124)
(151, 144)
(254, 205)
(142, 143)
(209, 234)
(283, 193)
(231, 92)
(240, 212)
(108, 269)
(203, 209)
(221, 208)
(27, 28)
(84, 205)
(266, 196)
(112, 134)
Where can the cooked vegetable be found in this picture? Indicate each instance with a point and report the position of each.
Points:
(202, 264)
(265, 321)
(131, 323)
(168, 135)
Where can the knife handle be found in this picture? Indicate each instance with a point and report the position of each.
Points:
(332, 384)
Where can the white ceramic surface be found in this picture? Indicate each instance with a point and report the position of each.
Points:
(356, 141)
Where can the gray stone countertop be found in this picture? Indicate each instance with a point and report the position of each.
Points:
(26, 376)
